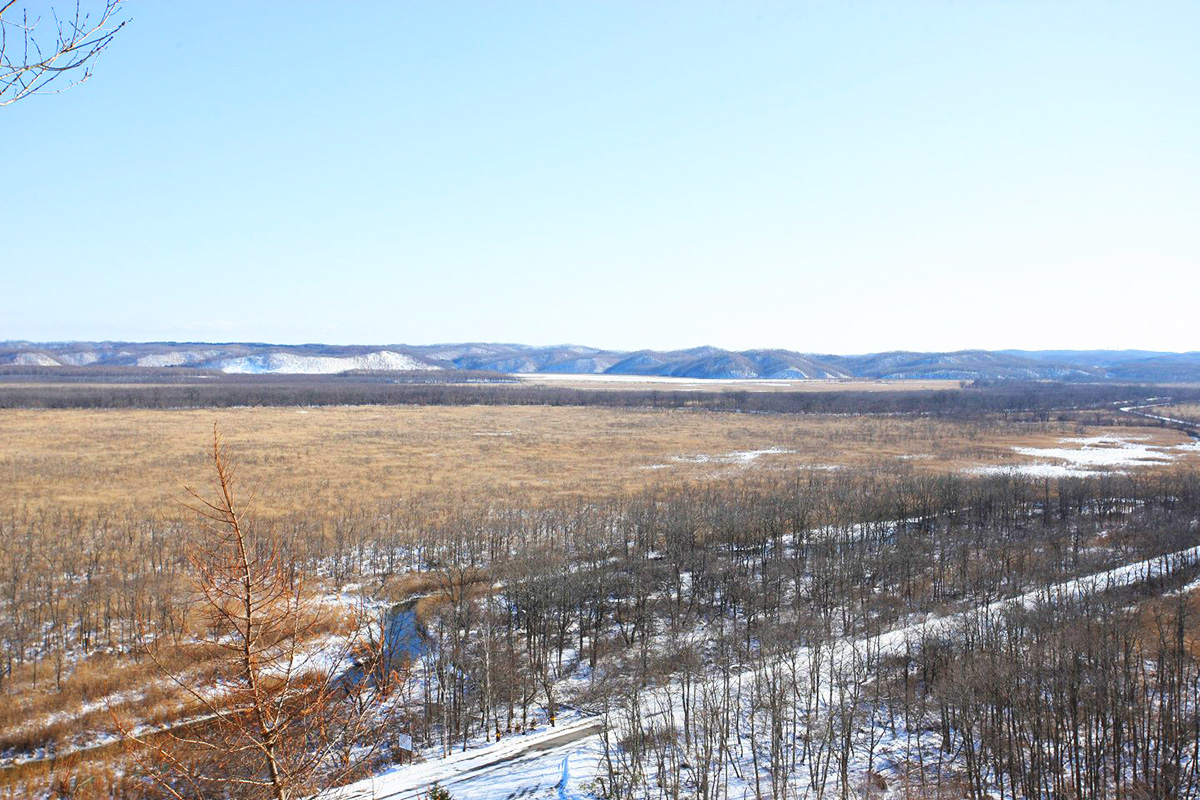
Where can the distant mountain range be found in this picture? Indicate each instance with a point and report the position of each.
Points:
(697, 362)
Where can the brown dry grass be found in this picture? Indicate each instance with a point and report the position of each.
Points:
(1157, 615)
(101, 684)
(82, 777)
(308, 458)
(1189, 412)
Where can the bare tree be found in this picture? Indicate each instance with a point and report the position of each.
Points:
(36, 52)
(281, 715)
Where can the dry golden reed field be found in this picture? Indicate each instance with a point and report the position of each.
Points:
(1189, 412)
(325, 456)
(315, 461)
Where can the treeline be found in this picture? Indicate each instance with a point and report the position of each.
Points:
(1099, 402)
(23, 373)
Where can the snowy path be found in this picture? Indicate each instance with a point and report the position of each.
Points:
(520, 766)
(557, 762)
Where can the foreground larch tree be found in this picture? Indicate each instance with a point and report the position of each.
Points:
(52, 49)
(290, 704)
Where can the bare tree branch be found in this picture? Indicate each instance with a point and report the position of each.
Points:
(35, 52)
(273, 718)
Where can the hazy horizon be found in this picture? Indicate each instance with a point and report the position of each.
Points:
(552, 345)
(826, 177)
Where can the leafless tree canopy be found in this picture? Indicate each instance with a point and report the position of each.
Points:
(40, 46)
(282, 725)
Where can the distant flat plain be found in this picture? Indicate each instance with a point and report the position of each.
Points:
(651, 382)
(301, 458)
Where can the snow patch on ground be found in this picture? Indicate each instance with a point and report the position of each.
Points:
(1093, 455)
(1102, 451)
(736, 457)
(1036, 471)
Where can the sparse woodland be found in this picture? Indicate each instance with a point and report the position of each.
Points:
(791, 634)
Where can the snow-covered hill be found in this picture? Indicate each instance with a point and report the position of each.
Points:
(312, 359)
(34, 360)
(321, 365)
(696, 362)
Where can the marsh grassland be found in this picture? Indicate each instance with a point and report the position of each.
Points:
(301, 458)
(565, 540)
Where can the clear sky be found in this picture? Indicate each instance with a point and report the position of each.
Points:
(820, 176)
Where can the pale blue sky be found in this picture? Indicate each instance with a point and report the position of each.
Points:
(830, 177)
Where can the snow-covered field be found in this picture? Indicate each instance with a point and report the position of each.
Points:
(737, 458)
(1091, 455)
(552, 762)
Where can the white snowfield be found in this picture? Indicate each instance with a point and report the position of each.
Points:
(322, 365)
(530, 765)
(561, 762)
(1093, 455)
(736, 457)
